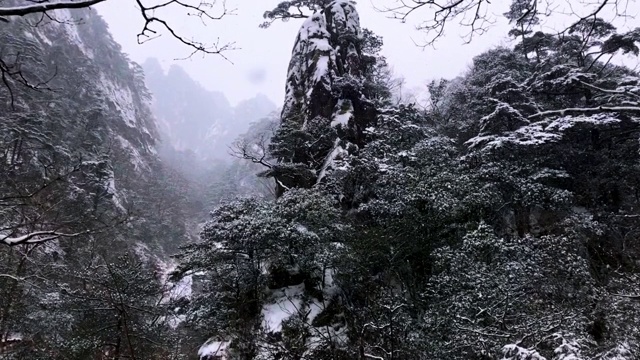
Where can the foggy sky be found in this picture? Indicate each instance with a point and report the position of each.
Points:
(259, 65)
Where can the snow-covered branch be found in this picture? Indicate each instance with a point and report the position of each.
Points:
(38, 237)
(634, 297)
(609, 91)
(44, 6)
(586, 111)
(483, 333)
(369, 356)
(11, 277)
(296, 9)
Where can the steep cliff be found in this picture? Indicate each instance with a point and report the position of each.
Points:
(86, 207)
(328, 102)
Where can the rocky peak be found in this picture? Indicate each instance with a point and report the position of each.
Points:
(326, 109)
(327, 47)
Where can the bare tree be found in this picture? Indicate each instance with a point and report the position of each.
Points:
(255, 150)
(254, 145)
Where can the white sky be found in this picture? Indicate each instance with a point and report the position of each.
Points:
(260, 63)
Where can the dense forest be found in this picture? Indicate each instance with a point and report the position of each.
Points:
(144, 217)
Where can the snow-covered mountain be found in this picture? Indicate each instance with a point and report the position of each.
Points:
(83, 97)
(82, 188)
(192, 118)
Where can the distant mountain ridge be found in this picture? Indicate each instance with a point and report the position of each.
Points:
(192, 118)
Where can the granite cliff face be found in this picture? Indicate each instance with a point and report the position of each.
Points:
(86, 201)
(328, 102)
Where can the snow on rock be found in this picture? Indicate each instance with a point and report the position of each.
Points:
(332, 159)
(142, 251)
(315, 307)
(291, 301)
(111, 188)
(70, 24)
(330, 288)
(285, 303)
(304, 231)
(180, 289)
(136, 158)
(214, 349)
(309, 68)
(122, 98)
(44, 38)
(568, 350)
(216, 130)
(315, 55)
(515, 352)
(621, 352)
(345, 17)
(322, 69)
(343, 113)
(323, 82)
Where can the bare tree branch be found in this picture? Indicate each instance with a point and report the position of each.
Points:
(443, 12)
(634, 297)
(11, 73)
(203, 10)
(475, 14)
(254, 151)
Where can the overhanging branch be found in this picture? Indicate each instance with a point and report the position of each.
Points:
(39, 237)
(41, 7)
(203, 10)
(586, 111)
